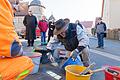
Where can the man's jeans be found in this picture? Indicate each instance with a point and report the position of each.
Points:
(43, 38)
(100, 37)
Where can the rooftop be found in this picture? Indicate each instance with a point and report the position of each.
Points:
(35, 3)
(87, 24)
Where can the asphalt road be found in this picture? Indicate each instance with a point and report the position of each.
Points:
(108, 56)
(98, 59)
(101, 61)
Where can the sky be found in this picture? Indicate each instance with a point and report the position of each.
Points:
(82, 10)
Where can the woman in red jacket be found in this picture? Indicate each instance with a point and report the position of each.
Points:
(43, 26)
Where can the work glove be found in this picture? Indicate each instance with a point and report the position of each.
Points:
(49, 54)
(74, 54)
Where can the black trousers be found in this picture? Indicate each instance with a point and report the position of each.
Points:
(30, 42)
(49, 37)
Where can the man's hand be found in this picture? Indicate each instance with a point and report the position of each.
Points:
(50, 57)
(48, 50)
(74, 54)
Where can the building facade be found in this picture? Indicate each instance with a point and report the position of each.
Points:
(111, 11)
(22, 10)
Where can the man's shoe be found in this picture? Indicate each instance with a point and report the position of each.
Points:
(101, 47)
(98, 47)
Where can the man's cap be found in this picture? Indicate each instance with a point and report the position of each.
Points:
(60, 26)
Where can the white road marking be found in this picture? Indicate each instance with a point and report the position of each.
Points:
(38, 39)
(54, 75)
(22, 40)
(105, 54)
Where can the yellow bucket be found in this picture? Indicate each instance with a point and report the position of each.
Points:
(73, 71)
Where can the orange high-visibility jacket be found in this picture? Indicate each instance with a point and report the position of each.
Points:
(11, 68)
(9, 42)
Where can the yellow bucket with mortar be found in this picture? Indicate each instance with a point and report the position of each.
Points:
(73, 71)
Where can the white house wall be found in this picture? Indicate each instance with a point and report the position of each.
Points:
(111, 13)
(115, 13)
(18, 23)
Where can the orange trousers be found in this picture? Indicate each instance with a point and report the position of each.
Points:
(11, 68)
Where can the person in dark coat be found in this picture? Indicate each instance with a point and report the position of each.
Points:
(30, 21)
(51, 29)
